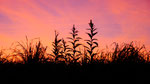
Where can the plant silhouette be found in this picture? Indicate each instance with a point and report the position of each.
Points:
(29, 53)
(56, 47)
(128, 54)
(92, 42)
(64, 51)
(2, 60)
(74, 42)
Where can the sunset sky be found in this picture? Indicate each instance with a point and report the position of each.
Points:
(116, 20)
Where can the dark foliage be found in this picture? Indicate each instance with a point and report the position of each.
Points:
(2, 59)
(30, 53)
(75, 54)
(128, 54)
(92, 42)
(65, 51)
(56, 47)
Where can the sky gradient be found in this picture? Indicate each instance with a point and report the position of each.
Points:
(116, 20)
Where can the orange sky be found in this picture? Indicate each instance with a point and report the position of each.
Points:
(116, 20)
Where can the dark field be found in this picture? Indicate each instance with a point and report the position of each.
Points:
(47, 73)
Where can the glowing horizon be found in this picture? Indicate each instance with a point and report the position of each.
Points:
(116, 20)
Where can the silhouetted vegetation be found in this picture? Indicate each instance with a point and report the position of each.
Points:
(64, 60)
(30, 53)
(33, 51)
(128, 54)
(65, 51)
(2, 59)
(92, 42)
(56, 47)
(75, 54)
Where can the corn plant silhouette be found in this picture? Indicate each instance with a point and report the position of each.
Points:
(39, 53)
(56, 47)
(64, 51)
(85, 58)
(74, 42)
(92, 42)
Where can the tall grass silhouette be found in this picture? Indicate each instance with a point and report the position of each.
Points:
(30, 53)
(128, 54)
